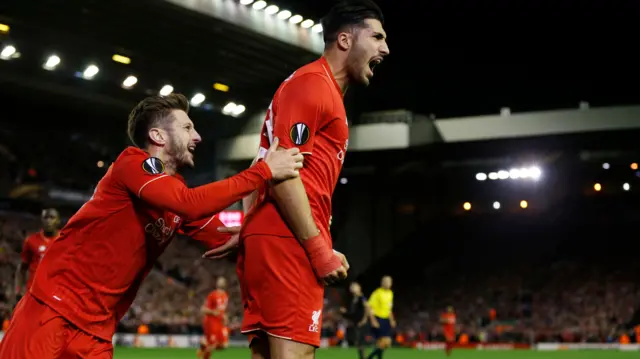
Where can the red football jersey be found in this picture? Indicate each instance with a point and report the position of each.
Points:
(33, 250)
(448, 321)
(307, 112)
(92, 273)
(216, 300)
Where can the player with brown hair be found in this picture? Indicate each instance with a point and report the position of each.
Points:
(92, 272)
(286, 255)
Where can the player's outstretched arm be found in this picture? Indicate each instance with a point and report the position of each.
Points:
(170, 194)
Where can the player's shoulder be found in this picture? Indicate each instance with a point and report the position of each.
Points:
(31, 237)
(314, 75)
(135, 157)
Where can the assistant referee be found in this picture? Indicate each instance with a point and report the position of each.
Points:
(381, 316)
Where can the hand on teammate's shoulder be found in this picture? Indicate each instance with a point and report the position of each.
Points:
(284, 164)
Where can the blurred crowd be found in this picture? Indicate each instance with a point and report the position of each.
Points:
(499, 293)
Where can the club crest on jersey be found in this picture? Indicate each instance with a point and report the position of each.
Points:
(153, 165)
(299, 134)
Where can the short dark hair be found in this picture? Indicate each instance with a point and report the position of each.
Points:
(348, 13)
(149, 112)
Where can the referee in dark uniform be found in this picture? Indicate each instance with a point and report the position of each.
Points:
(357, 313)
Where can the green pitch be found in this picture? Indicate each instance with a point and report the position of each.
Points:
(234, 353)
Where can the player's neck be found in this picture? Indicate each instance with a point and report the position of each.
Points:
(50, 234)
(338, 66)
(170, 167)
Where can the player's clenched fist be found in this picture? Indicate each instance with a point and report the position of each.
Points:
(284, 164)
(329, 266)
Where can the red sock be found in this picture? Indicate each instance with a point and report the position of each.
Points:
(447, 348)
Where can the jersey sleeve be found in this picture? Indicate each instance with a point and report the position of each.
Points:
(301, 108)
(206, 231)
(144, 178)
(26, 255)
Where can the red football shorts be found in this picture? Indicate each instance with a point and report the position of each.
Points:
(37, 332)
(216, 335)
(449, 337)
(280, 292)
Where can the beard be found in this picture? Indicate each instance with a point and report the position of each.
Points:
(180, 153)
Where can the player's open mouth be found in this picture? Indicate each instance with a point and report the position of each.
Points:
(191, 148)
(374, 62)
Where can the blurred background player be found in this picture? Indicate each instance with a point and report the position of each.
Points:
(215, 321)
(286, 251)
(448, 320)
(357, 313)
(91, 274)
(33, 250)
(382, 320)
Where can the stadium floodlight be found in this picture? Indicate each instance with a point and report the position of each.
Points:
(8, 52)
(233, 109)
(197, 99)
(597, 187)
(496, 205)
(52, 62)
(466, 206)
(606, 166)
(481, 176)
(90, 72)
(493, 176)
(238, 110)
(129, 82)
(166, 90)
(259, 5)
(626, 187)
(271, 9)
(524, 204)
(307, 23)
(246, 2)
(295, 19)
(4, 28)
(502, 174)
(317, 28)
(284, 14)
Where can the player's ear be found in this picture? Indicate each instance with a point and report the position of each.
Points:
(345, 40)
(158, 136)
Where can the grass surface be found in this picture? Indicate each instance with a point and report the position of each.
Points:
(236, 353)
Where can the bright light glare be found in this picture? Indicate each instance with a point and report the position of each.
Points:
(259, 5)
(8, 52)
(307, 23)
(52, 62)
(493, 176)
(317, 28)
(466, 206)
(626, 187)
(233, 109)
(496, 205)
(246, 2)
(606, 166)
(129, 82)
(503, 174)
(597, 187)
(524, 204)
(295, 19)
(166, 90)
(197, 99)
(481, 176)
(271, 9)
(90, 72)
(284, 14)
